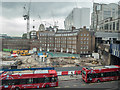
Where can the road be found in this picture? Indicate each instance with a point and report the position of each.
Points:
(111, 85)
(81, 84)
(68, 68)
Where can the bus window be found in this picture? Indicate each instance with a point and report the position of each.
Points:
(54, 79)
(97, 75)
(23, 81)
(118, 73)
(47, 79)
(114, 73)
(40, 80)
(84, 73)
(30, 81)
(13, 82)
(4, 82)
(89, 75)
(35, 80)
(94, 75)
(102, 75)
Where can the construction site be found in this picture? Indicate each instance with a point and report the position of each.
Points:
(42, 59)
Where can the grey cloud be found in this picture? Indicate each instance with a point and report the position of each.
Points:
(12, 9)
(44, 9)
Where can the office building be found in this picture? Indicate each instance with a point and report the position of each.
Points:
(105, 18)
(78, 18)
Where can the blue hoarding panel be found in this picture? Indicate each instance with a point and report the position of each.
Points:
(45, 68)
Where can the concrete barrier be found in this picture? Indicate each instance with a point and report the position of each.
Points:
(61, 73)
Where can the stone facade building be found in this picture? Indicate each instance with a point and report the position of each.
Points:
(78, 41)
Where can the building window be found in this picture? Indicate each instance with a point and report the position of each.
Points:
(81, 48)
(117, 25)
(86, 47)
(81, 38)
(85, 38)
(84, 34)
(81, 42)
(87, 34)
(113, 25)
(106, 27)
(81, 34)
(110, 26)
(87, 42)
(84, 42)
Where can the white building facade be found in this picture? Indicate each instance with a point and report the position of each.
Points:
(78, 18)
(119, 9)
(105, 17)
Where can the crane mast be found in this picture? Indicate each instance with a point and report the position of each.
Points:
(27, 17)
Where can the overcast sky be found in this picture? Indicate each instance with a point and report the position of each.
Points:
(11, 12)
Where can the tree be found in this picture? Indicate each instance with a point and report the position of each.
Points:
(24, 36)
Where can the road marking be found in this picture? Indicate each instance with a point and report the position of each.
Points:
(66, 86)
(83, 84)
(98, 83)
(74, 85)
(113, 81)
(57, 87)
(91, 83)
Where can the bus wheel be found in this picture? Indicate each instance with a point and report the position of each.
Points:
(17, 88)
(47, 86)
(98, 81)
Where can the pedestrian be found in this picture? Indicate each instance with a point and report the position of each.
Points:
(71, 74)
(76, 74)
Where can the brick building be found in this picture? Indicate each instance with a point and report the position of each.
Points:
(78, 41)
(15, 43)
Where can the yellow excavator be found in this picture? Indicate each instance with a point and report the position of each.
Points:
(22, 52)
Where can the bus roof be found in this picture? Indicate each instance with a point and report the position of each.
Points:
(30, 72)
(43, 68)
(101, 67)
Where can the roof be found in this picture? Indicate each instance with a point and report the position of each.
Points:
(101, 67)
(63, 55)
(107, 34)
(30, 72)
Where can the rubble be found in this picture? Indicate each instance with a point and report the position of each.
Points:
(35, 61)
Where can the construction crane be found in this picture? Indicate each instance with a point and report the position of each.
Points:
(40, 19)
(27, 17)
(55, 22)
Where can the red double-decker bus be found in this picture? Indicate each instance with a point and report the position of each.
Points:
(101, 73)
(16, 80)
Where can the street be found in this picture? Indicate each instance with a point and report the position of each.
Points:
(79, 83)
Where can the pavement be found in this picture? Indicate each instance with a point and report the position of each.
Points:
(67, 77)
